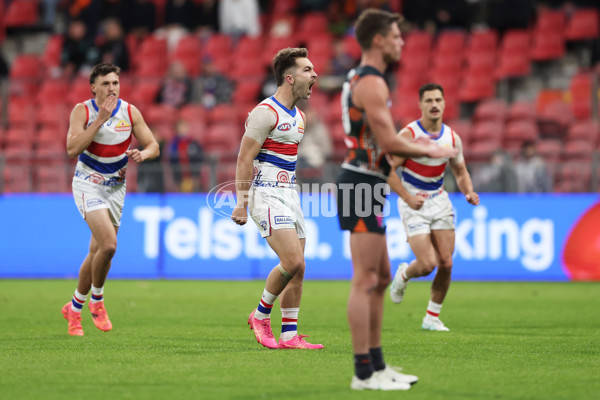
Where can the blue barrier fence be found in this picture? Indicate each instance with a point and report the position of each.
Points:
(507, 237)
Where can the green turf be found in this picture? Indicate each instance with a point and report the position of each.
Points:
(189, 340)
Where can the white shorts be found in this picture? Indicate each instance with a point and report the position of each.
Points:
(436, 214)
(90, 197)
(276, 208)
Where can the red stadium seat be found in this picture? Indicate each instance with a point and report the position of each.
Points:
(217, 46)
(517, 132)
(548, 46)
(80, 91)
(26, 66)
(352, 47)
(450, 43)
(248, 48)
(52, 90)
(477, 87)
(583, 25)
(159, 113)
(18, 138)
(513, 57)
(487, 131)
(51, 138)
(192, 112)
(144, 92)
(246, 91)
(578, 150)
(153, 47)
(52, 179)
(490, 110)
(462, 127)
(21, 13)
(549, 20)
(550, 149)
(483, 41)
(53, 115)
(223, 138)
(481, 151)
(52, 52)
(20, 113)
(580, 91)
(521, 110)
(586, 130)
(555, 119)
(152, 67)
(221, 113)
(17, 179)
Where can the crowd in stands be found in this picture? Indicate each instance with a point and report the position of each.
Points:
(195, 68)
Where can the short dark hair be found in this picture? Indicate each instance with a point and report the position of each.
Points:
(430, 86)
(372, 22)
(103, 70)
(285, 59)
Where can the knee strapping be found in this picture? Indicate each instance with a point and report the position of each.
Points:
(284, 272)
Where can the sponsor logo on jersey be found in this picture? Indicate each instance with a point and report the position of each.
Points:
(96, 178)
(283, 220)
(122, 126)
(283, 177)
(301, 127)
(286, 126)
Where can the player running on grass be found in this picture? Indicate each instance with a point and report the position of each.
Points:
(100, 133)
(424, 205)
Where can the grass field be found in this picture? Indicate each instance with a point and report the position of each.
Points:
(189, 340)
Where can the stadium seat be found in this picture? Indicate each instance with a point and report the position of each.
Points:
(79, 91)
(462, 127)
(20, 112)
(586, 130)
(578, 150)
(218, 45)
(550, 150)
(53, 115)
(283, 7)
(493, 110)
(21, 13)
(52, 179)
(160, 113)
(481, 151)
(144, 92)
(50, 138)
(248, 48)
(153, 47)
(481, 63)
(513, 55)
(18, 138)
(450, 43)
(580, 92)
(311, 24)
(574, 177)
(555, 119)
(477, 87)
(521, 111)
(352, 47)
(26, 66)
(487, 131)
(221, 113)
(246, 91)
(550, 20)
(338, 137)
(482, 41)
(247, 70)
(517, 132)
(17, 179)
(52, 51)
(52, 90)
(223, 138)
(452, 109)
(548, 46)
(192, 112)
(152, 67)
(583, 25)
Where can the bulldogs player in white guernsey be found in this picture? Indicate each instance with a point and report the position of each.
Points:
(424, 205)
(100, 132)
(265, 186)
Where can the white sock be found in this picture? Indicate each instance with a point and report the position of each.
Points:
(433, 309)
(289, 323)
(78, 301)
(97, 294)
(265, 305)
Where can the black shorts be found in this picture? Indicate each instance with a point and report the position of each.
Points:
(360, 201)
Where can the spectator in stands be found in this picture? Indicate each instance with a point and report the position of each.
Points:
(180, 19)
(78, 53)
(342, 62)
(150, 176)
(114, 49)
(510, 14)
(239, 17)
(87, 11)
(533, 176)
(185, 157)
(496, 177)
(208, 17)
(176, 87)
(452, 14)
(316, 144)
(268, 86)
(140, 18)
(212, 87)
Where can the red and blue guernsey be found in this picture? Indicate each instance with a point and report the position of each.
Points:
(275, 164)
(426, 174)
(104, 162)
